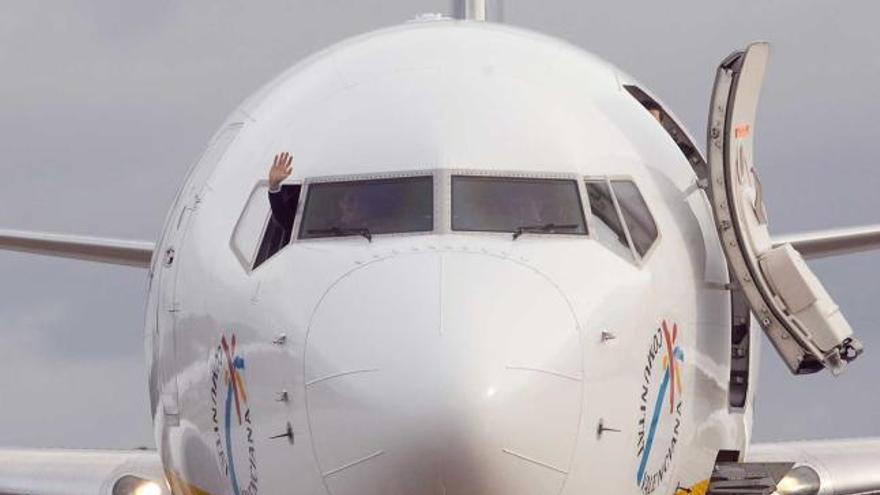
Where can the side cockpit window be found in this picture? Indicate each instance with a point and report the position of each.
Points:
(265, 225)
(624, 222)
(283, 205)
(639, 222)
(609, 228)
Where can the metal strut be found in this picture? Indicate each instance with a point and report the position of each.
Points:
(478, 10)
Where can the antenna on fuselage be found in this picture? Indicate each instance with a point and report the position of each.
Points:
(478, 10)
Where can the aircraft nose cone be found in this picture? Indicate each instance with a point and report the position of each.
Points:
(443, 373)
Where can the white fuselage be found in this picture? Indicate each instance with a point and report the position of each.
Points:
(441, 362)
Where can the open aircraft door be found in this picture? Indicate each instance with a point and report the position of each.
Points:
(792, 306)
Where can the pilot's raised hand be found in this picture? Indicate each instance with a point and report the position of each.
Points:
(280, 170)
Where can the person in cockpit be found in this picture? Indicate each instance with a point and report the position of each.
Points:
(655, 111)
(351, 214)
(349, 207)
(282, 209)
(283, 201)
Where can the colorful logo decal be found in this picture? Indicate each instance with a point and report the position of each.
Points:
(664, 408)
(234, 433)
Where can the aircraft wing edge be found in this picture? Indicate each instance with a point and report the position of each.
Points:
(843, 467)
(79, 472)
(102, 250)
(819, 244)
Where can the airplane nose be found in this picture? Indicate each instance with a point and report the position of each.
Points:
(443, 373)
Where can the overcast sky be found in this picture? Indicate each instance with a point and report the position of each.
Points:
(104, 104)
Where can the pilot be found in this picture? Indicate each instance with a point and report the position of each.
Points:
(655, 111)
(530, 211)
(350, 211)
(283, 205)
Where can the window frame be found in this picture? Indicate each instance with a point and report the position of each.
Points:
(448, 174)
(638, 259)
(307, 183)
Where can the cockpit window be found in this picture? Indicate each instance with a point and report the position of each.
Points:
(636, 214)
(368, 208)
(609, 229)
(258, 235)
(625, 224)
(517, 205)
(280, 225)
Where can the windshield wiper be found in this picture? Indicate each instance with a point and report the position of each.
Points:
(541, 229)
(340, 231)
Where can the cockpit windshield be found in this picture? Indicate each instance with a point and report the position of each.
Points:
(517, 205)
(368, 207)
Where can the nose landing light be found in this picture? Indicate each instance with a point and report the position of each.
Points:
(133, 485)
